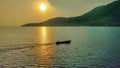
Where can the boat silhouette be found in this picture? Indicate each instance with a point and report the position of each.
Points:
(63, 42)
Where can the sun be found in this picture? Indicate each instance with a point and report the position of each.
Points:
(43, 7)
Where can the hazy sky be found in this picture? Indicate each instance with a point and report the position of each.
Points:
(18, 12)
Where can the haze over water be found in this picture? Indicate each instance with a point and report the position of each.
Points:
(91, 47)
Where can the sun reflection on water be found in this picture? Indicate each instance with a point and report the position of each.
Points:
(44, 52)
(44, 34)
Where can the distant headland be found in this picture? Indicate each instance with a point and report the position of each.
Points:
(106, 15)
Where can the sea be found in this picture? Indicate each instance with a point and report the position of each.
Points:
(34, 47)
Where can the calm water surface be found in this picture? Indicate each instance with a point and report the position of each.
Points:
(91, 47)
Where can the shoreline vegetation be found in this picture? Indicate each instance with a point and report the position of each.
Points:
(106, 15)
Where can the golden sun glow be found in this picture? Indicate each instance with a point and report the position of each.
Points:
(43, 7)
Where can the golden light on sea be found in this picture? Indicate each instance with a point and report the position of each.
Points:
(43, 35)
(44, 52)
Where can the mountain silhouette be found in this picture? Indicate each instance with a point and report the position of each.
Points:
(106, 15)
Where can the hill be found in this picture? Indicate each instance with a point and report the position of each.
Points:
(106, 15)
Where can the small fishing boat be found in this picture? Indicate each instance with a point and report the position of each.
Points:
(63, 42)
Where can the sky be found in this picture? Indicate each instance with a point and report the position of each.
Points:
(19, 12)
